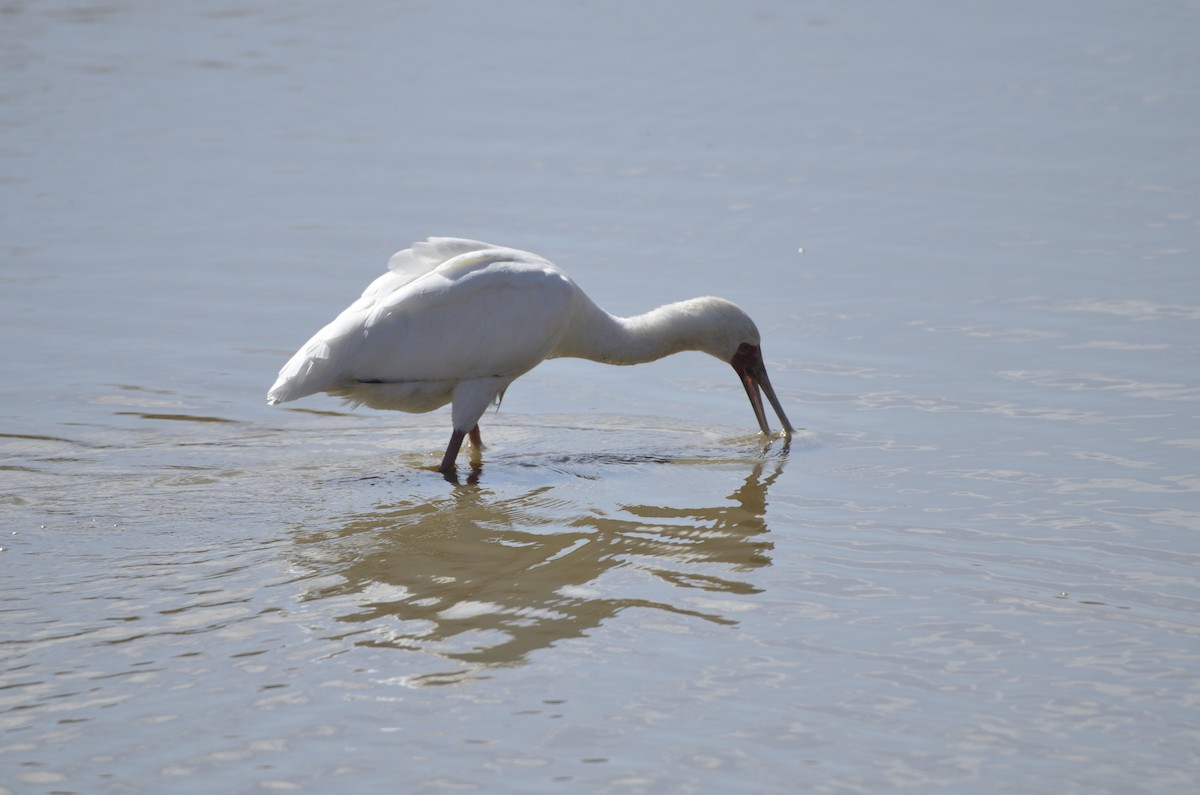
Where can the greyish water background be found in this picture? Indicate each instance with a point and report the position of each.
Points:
(975, 570)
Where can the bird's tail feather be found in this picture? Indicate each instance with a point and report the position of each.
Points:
(317, 366)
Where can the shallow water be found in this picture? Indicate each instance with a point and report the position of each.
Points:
(967, 234)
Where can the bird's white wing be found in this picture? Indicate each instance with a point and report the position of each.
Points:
(494, 312)
(419, 259)
(322, 361)
(426, 255)
(485, 311)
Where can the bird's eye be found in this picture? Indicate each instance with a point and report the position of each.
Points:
(744, 348)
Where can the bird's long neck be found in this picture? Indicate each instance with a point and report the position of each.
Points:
(601, 337)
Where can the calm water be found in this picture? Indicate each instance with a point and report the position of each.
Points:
(967, 231)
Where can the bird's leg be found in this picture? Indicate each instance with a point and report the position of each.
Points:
(476, 451)
(456, 440)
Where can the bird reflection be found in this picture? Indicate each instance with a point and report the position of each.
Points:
(484, 580)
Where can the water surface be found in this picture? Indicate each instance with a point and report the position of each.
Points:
(968, 234)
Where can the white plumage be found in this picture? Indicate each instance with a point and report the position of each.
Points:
(457, 321)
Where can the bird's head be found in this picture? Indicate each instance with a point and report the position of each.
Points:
(731, 336)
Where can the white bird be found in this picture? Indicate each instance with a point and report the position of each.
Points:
(456, 321)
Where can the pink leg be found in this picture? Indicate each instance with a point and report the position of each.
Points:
(452, 449)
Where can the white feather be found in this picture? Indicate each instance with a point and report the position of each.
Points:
(457, 321)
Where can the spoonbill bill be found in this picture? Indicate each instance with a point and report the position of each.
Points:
(456, 321)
